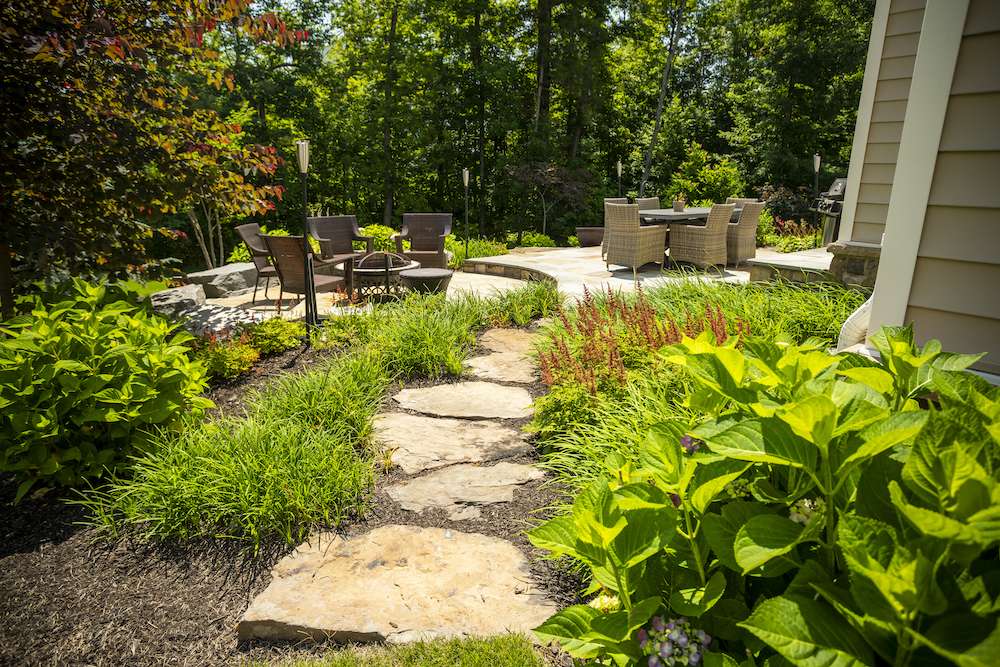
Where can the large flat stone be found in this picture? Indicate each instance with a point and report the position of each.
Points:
(397, 584)
(468, 399)
(463, 490)
(509, 340)
(225, 280)
(422, 443)
(504, 367)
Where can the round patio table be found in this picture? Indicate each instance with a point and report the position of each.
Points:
(378, 274)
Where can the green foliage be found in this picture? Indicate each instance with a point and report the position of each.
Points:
(276, 335)
(811, 489)
(502, 651)
(382, 237)
(566, 407)
(226, 357)
(477, 248)
(240, 252)
(81, 378)
(530, 240)
(702, 176)
(107, 138)
(298, 459)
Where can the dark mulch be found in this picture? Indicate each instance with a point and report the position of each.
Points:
(67, 596)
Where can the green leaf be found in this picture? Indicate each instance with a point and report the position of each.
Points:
(557, 535)
(711, 659)
(690, 598)
(812, 419)
(567, 627)
(711, 478)
(935, 524)
(897, 429)
(876, 378)
(808, 633)
(764, 538)
(964, 639)
(757, 441)
(662, 454)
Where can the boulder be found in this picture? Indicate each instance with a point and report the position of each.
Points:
(172, 302)
(226, 280)
(397, 584)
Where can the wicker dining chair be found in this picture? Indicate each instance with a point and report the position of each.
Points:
(702, 246)
(250, 234)
(604, 239)
(646, 204)
(426, 233)
(630, 244)
(336, 235)
(741, 236)
(289, 260)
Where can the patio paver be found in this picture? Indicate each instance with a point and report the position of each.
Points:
(468, 399)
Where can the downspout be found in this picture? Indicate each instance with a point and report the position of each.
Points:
(855, 328)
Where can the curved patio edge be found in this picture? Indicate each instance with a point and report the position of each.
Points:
(496, 267)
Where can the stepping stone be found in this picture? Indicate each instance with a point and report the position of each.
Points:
(463, 490)
(397, 584)
(509, 340)
(468, 399)
(423, 443)
(504, 367)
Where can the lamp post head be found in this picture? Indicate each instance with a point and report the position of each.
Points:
(619, 167)
(816, 161)
(302, 153)
(465, 177)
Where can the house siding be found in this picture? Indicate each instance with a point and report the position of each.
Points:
(902, 35)
(955, 293)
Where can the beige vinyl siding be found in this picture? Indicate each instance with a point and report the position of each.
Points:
(899, 50)
(955, 294)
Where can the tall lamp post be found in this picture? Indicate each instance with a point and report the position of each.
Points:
(816, 163)
(619, 167)
(302, 153)
(465, 182)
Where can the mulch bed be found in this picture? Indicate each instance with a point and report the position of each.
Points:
(68, 596)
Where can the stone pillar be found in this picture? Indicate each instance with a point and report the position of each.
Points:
(854, 263)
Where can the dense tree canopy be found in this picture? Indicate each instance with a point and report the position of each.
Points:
(538, 98)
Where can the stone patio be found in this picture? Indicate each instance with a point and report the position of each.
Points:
(573, 269)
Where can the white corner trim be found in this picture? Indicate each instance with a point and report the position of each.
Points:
(861, 126)
(933, 70)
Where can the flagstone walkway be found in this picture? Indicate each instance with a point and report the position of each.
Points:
(400, 582)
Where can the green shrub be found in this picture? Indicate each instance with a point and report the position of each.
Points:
(240, 252)
(573, 242)
(530, 240)
(518, 307)
(382, 236)
(806, 510)
(703, 176)
(566, 408)
(276, 335)
(225, 358)
(298, 459)
(477, 248)
(79, 379)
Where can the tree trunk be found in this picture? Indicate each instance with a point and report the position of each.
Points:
(200, 237)
(390, 80)
(676, 17)
(544, 48)
(477, 62)
(6, 283)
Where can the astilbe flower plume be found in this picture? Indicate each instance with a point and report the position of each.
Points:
(591, 352)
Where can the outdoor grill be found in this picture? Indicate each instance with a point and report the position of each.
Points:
(830, 205)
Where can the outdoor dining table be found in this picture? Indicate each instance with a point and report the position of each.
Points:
(689, 216)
